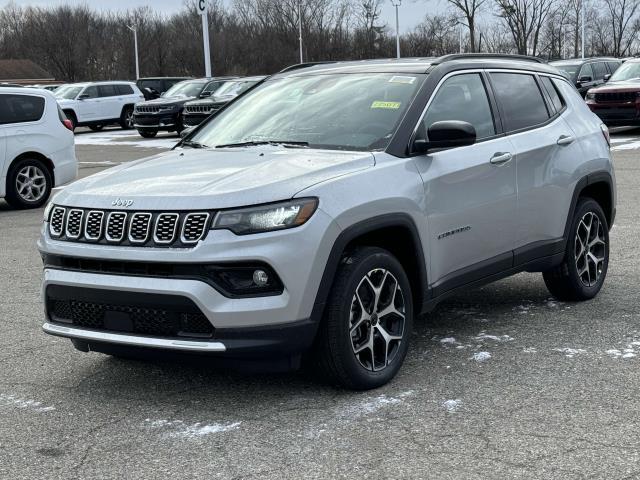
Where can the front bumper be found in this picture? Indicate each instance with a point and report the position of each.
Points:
(616, 113)
(157, 121)
(194, 119)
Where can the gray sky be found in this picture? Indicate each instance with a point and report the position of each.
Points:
(411, 11)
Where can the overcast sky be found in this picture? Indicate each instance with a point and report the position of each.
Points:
(411, 11)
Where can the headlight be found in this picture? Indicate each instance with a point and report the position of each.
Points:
(267, 218)
(591, 96)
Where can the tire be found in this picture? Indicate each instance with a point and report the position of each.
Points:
(96, 128)
(148, 133)
(126, 118)
(582, 272)
(340, 350)
(21, 194)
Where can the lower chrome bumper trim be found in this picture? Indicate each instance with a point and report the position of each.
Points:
(132, 340)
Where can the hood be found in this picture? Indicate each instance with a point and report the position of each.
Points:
(167, 101)
(630, 85)
(210, 179)
(210, 101)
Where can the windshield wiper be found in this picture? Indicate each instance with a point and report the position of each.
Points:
(192, 144)
(286, 143)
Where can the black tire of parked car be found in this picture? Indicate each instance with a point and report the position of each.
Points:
(566, 282)
(334, 349)
(126, 118)
(14, 198)
(148, 133)
(96, 128)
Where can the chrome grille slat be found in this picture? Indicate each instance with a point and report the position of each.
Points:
(139, 227)
(56, 224)
(93, 225)
(194, 227)
(116, 224)
(147, 109)
(165, 228)
(199, 109)
(74, 223)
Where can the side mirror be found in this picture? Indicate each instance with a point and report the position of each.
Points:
(186, 131)
(84, 96)
(205, 94)
(446, 134)
(585, 79)
(607, 77)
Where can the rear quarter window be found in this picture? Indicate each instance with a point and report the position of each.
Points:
(20, 108)
(556, 100)
(124, 90)
(521, 102)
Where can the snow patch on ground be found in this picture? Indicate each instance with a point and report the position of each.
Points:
(370, 406)
(632, 351)
(179, 429)
(448, 340)
(530, 350)
(452, 406)
(482, 336)
(481, 356)
(8, 400)
(570, 352)
(125, 138)
(626, 146)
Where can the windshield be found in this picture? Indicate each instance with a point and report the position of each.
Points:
(234, 88)
(338, 111)
(627, 71)
(571, 70)
(185, 89)
(69, 92)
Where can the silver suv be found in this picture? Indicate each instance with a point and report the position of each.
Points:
(326, 209)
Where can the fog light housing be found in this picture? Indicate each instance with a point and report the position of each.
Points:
(245, 280)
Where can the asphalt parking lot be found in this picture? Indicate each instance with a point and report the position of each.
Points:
(500, 382)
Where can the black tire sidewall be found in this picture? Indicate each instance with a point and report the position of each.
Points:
(148, 133)
(13, 198)
(583, 207)
(123, 118)
(361, 377)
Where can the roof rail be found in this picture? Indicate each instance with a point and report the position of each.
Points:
(506, 56)
(298, 66)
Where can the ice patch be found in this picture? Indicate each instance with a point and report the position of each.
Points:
(179, 429)
(481, 356)
(452, 406)
(23, 403)
(570, 352)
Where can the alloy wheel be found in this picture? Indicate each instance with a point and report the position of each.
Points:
(31, 183)
(129, 118)
(377, 320)
(590, 249)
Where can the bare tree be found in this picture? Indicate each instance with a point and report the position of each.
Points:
(525, 19)
(469, 9)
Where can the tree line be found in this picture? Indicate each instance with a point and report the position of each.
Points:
(76, 43)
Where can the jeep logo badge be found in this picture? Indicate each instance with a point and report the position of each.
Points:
(119, 202)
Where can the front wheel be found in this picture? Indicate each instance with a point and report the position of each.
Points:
(148, 133)
(364, 335)
(584, 268)
(126, 118)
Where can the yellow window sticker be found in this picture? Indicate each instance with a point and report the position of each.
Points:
(387, 105)
(402, 79)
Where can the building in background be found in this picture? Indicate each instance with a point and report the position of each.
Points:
(24, 72)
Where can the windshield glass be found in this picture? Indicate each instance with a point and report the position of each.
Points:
(571, 70)
(234, 88)
(338, 111)
(185, 89)
(627, 71)
(69, 93)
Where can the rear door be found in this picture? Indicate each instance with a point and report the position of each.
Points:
(545, 149)
(109, 103)
(470, 191)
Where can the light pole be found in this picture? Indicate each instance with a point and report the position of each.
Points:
(300, 28)
(582, 19)
(135, 45)
(397, 3)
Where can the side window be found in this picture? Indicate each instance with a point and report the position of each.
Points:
(107, 90)
(586, 71)
(124, 89)
(153, 84)
(20, 108)
(461, 97)
(599, 70)
(90, 92)
(521, 101)
(212, 87)
(613, 66)
(556, 99)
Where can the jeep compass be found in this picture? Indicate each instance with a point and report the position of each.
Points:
(323, 211)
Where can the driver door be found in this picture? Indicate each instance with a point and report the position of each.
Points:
(88, 106)
(470, 191)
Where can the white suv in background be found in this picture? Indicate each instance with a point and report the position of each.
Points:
(36, 147)
(97, 104)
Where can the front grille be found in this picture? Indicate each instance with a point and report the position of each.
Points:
(141, 319)
(207, 109)
(616, 97)
(146, 229)
(147, 108)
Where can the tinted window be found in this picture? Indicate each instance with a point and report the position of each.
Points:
(20, 108)
(107, 90)
(556, 99)
(90, 92)
(124, 89)
(586, 71)
(155, 85)
(213, 86)
(613, 66)
(521, 101)
(462, 97)
(599, 70)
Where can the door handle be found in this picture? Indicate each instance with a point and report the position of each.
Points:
(500, 158)
(565, 140)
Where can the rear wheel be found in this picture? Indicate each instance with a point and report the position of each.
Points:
(126, 118)
(583, 271)
(29, 184)
(148, 133)
(364, 335)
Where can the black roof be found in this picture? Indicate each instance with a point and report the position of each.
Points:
(575, 61)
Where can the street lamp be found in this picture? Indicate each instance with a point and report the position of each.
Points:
(300, 28)
(135, 44)
(582, 19)
(397, 3)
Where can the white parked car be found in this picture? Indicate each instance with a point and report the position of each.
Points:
(97, 104)
(37, 149)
